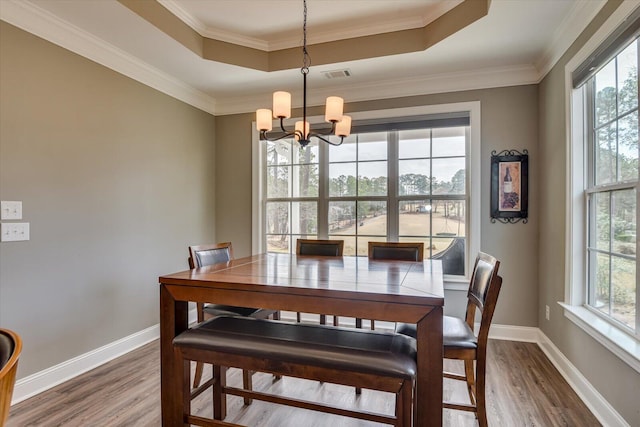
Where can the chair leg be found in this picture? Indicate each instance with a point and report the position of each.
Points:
(247, 384)
(481, 406)
(403, 404)
(298, 317)
(197, 376)
(335, 321)
(471, 383)
(323, 319)
(219, 397)
(373, 324)
(358, 323)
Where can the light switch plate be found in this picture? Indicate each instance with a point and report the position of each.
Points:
(10, 210)
(14, 231)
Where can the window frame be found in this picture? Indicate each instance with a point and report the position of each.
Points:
(575, 304)
(473, 168)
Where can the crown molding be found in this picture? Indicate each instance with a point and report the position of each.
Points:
(349, 31)
(37, 21)
(397, 88)
(581, 14)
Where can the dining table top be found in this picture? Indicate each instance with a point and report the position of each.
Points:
(351, 276)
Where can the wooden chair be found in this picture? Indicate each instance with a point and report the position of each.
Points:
(10, 349)
(203, 255)
(401, 251)
(311, 247)
(459, 340)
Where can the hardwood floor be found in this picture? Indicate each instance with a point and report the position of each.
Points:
(523, 389)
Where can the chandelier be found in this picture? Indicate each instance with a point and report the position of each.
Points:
(340, 124)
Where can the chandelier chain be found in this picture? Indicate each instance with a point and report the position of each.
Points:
(306, 59)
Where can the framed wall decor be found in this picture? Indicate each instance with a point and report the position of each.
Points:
(509, 186)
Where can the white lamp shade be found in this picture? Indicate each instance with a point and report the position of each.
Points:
(343, 127)
(263, 119)
(299, 128)
(281, 104)
(334, 106)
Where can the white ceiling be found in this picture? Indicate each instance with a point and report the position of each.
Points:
(516, 43)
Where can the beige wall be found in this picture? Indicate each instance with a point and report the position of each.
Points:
(615, 380)
(116, 179)
(509, 121)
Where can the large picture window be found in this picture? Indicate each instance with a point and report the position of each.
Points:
(406, 179)
(611, 192)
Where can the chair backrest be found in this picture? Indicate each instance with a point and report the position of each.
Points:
(319, 247)
(10, 349)
(202, 255)
(403, 251)
(484, 289)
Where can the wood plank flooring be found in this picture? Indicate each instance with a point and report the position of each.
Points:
(524, 389)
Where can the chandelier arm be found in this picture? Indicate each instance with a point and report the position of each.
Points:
(321, 137)
(282, 126)
(265, 137)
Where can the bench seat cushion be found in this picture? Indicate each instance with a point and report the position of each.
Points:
(370, 352)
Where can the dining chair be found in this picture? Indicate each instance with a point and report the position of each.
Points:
(10, 349)
(201, 256)
(461, 343)
(313, 247)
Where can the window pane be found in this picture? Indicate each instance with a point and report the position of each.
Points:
(624, 221)
(623, 287)
(342, 179)
(605, 157)
(305, 155)
(600, 273)
(277, 221)
(363, 244)
(278, 181)
(349, 245)
(372, 218)
(628, 79)
(605, 102)
(342, 218)
(448, 217)
(305, 181)
(372, 179)
(414, 143)
(414, 218)
(449, 142)
(413, 177)
(448, 176)
(628, 147)
(601, 224)
(346, 152)
(278, 152)
(277, 243)
(304, 218)
(372, 146)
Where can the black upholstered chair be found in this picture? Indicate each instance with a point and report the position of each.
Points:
(203, 255)
(461, 343)
(401, 251)
(311, 247)
(10, 349)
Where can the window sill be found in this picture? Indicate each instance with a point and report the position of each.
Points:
(618, 342)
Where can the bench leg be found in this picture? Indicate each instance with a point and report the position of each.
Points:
(219, 397)
(404, 398)
(247, 384)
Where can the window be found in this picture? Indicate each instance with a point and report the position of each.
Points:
(612, 188)
(602, 287)
(399, 178)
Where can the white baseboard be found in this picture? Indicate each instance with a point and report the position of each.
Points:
(40, 381)
(600, 408)
(48, 378)
(44, 380)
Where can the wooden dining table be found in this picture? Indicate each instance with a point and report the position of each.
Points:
(395, 291)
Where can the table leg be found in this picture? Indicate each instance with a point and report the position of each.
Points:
(428, 401)
(173, 320)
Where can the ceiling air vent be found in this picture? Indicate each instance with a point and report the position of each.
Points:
(336, 74)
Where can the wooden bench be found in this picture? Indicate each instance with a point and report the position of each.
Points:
(360, 358)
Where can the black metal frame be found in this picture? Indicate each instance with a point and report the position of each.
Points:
(502, 215)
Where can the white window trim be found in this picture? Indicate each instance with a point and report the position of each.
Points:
(620, 343)
(474, 163)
